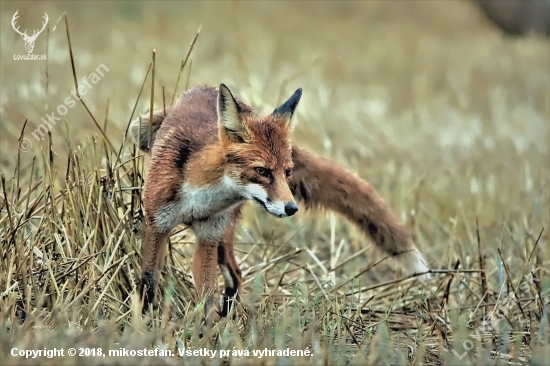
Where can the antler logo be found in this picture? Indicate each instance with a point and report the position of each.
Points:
(29, 40)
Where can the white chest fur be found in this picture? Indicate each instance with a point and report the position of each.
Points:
(204, 209)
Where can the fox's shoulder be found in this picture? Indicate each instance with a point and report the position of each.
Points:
(194, 116)
(197, 109)
(201, 92)
(201, 99)
(190, 124)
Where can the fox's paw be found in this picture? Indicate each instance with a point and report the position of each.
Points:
(226, 304)
(147, 290)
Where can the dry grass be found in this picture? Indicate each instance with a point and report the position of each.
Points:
(446, 118)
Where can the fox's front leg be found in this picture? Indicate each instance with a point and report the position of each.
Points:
(160, 219)
(205, 267)
(153, 252)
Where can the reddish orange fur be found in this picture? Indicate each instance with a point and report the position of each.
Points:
(190, 149)
(319, 183)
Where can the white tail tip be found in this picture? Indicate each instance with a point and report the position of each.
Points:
(414, 262)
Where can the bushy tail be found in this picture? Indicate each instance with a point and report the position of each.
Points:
(143, 132)
(319, 183)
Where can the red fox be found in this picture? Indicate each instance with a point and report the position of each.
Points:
(210, 154)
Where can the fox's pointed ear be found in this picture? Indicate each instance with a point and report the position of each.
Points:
(286, 110)
(230, 122)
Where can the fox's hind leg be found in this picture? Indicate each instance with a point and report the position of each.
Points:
(232, 274)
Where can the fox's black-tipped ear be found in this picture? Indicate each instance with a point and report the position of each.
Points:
(230, 122)
(286, 110)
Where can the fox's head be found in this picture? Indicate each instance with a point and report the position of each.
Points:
(258, 151)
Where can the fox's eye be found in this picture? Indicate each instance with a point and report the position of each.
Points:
(264, 172)
(288, 172)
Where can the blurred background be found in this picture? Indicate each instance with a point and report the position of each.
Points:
(431, 101)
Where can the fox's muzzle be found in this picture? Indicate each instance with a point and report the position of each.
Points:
(276, 207)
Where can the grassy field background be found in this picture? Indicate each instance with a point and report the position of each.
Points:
(448, 120)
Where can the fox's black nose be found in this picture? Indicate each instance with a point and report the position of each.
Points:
(291, 208)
